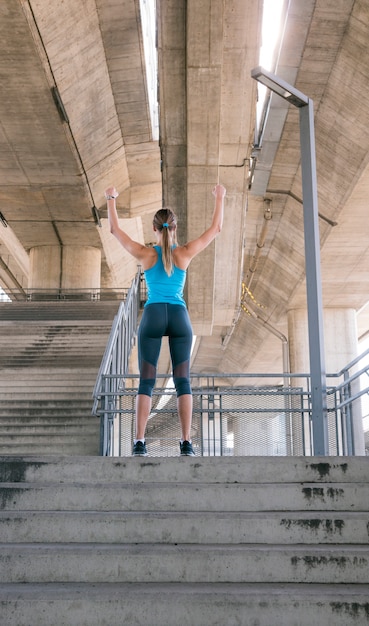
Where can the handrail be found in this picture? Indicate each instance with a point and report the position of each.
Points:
(116, 356)
(350, 365)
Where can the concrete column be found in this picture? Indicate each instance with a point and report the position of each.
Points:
(67, 267)
(341, 347)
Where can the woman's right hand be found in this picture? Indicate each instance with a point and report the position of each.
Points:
(111, 191)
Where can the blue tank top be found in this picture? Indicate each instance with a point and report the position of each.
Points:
(164, 288)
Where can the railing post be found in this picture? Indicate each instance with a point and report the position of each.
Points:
(349, 436)
(313, 281)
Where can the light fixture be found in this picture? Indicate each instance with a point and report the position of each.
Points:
(312, 253)
(59, 104)
(3, 220)
(96, 216)
(280, 87)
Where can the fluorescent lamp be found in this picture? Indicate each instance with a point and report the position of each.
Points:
(280, 87)
(96, 216)
(59, 104)
(3, 220)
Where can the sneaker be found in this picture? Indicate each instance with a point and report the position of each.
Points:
(139, 449)
(186, 448)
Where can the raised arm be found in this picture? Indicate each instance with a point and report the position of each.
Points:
(136, 249)
(194, 247)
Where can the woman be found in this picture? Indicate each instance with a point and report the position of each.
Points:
(165, 312)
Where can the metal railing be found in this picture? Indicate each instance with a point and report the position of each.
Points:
(236, 414)
(233, 414)
(347, 399)
(114, 364)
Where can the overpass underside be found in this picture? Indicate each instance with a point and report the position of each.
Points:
(75, 117)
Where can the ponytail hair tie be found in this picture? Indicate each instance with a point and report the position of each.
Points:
(165, 225)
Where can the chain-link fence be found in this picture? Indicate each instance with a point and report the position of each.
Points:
(226, 421)
(239, 420)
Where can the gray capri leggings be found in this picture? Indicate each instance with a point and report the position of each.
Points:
(159, 320)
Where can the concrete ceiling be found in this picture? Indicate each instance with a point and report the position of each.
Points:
(54, 168)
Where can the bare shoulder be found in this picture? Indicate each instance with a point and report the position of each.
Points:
(181, 257)
(149, 258)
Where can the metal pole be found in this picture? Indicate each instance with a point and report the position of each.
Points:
(313, 281)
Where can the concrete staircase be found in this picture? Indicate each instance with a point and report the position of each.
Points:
(184, 541)
(50, 355)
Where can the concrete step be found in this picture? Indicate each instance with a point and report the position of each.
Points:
(59, 430)
(34, 386)
(62, 311)
(200, 604)
(194, 527)
(185, 497)
(38, 374)
(37, 354)
(40, 352)
(72, 380)
(64, 358)
(197, 541)
(88, 445)
(46, 389)
(52, 328)
(50, 357)
(30, 336)
(16, 411)
(34, 325)
(32, 400)
(34, 395)
(15, 418)
(31, 403)
(93, 345)
(50, 333)
(73, 362)
(321, 471)
(186, 563)
(59, 321)
(28, 345)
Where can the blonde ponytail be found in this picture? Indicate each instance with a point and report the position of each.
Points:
(165, 221)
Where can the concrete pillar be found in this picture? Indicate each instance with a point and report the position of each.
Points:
(341, 347)
(66, 267)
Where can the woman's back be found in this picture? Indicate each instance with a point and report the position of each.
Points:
(164, 288)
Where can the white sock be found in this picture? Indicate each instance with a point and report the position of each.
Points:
(136, 440)
(189, 440)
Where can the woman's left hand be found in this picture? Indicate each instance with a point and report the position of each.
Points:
(219, 190)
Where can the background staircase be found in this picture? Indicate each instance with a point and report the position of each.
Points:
(50, 354)
(190, 541)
